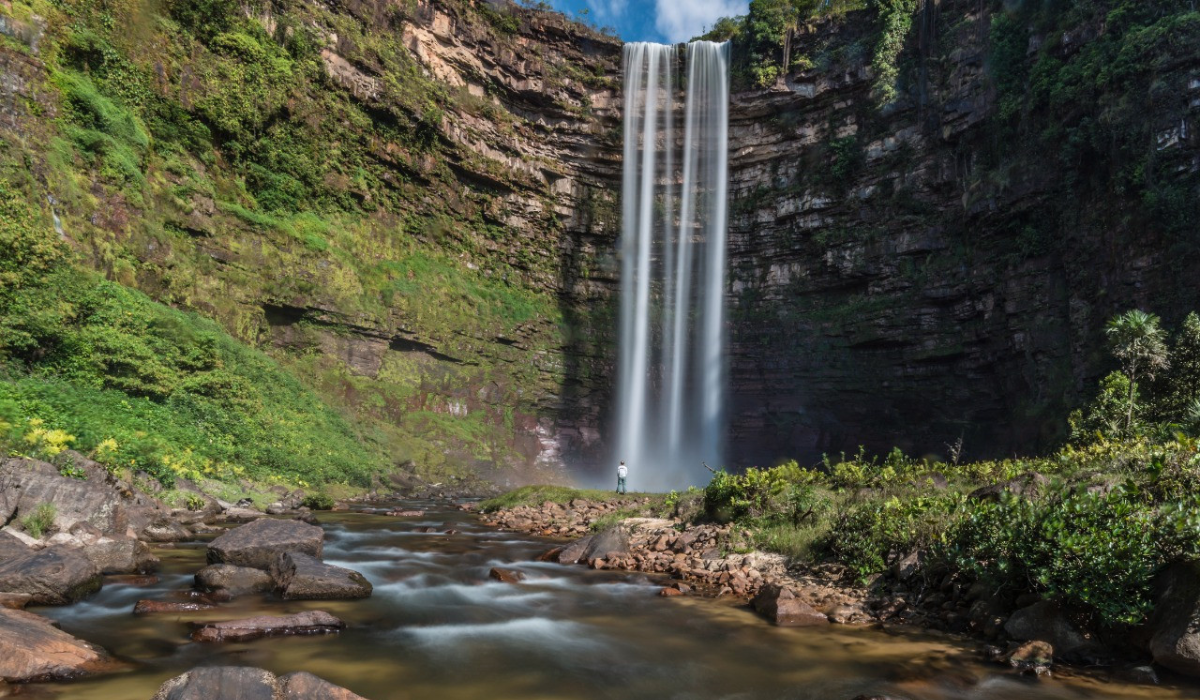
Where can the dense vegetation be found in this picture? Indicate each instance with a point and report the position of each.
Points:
(91, 365)
(199, 151)
(1088, 526)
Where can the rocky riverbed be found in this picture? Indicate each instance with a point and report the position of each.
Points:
(390, 600)
(1025, 633)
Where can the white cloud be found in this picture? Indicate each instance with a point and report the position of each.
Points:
(680, 20)
(607, 10)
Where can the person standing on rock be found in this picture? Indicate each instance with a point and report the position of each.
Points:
(622, 472)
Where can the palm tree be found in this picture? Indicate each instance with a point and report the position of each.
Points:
(1139, 342)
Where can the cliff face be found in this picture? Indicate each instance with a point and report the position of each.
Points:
(942, 265)
(414, 205)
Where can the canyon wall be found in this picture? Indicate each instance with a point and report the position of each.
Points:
(419, 217)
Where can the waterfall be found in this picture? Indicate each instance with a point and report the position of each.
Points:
(671, 374)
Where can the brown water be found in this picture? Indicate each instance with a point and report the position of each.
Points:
(437, 627)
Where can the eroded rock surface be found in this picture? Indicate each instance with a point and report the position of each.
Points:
(299, 576)
(305, 623)
(51, 576)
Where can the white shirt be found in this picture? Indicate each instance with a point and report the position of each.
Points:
(622, 472)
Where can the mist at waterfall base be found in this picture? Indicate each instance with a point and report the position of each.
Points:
(672, 376)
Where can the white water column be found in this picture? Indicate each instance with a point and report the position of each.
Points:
(672, 373)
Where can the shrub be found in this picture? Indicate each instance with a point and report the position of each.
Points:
(784, 493)
(40, 520)
(318, 501)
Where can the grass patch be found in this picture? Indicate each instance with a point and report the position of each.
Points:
(538, 495)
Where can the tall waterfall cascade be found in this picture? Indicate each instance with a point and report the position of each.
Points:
(672, 375)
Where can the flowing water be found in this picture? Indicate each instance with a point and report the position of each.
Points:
(437, 627)
(672, 376)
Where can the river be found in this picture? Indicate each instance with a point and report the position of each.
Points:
(438, 627)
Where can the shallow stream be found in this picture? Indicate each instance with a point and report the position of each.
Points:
(437, 627)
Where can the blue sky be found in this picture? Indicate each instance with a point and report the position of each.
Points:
(654, 20)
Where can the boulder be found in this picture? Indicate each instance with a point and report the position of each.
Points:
(11, 546)
(231, 581)
(299, 576)
(241, 683)
(312, 622)
(150, 607)
(506, 575)
(121, 557)
(50, 576)
(257, 544)
(30, 483)
(573, 552)
(1175, 640)
(782, 607)
(32, 649)
(1044, 622)
(306, 686)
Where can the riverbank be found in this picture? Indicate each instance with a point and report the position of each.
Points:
(1024, 630)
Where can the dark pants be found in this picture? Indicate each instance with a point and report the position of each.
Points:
(620, 484)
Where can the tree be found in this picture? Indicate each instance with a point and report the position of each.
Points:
(1139, 343)
(1178, 389)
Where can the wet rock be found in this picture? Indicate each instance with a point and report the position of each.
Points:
(1142, 675)
(1032, 657)
(305, 623)
(165, 530)
(50, 576)
(306, 686)
(506, 575)
(232, 581)
(669, 592)
(299, 576)
(1175, 642)
(14, 601)
(132, 579)
(782, 607)
(31, 649)
(574, 552)
(1044, 622)
(148, 607)
(257, 544)
(405, 513)
(121, 557)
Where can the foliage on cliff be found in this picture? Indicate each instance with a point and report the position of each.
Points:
(233, 159)
(94, 366)
(1089, 526)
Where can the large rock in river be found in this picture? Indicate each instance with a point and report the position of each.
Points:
(55, 576)
(31, 649)
(302, 577)
(257, 544)
(1044, 622)
(124, 556)
(229, 581)
(1176, 625)
(241, 683)
(782, 607)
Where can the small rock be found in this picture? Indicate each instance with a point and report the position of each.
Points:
(313, 622)
(1032, 657)
(506, 575)
(670, 592)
